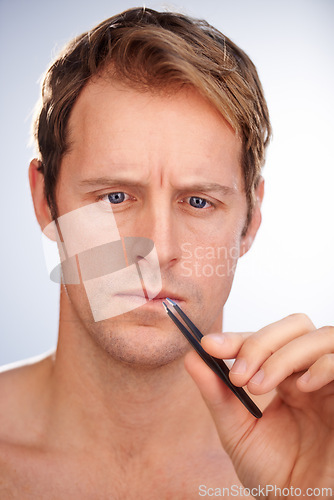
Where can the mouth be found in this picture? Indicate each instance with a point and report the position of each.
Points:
(157, 300)
(164, 294)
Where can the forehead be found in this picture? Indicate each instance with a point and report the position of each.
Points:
(179, 133)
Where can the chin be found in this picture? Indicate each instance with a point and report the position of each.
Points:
(140, 338)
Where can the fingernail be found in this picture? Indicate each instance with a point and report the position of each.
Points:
(239, 367)
(258, 377)
(216, 337)
(306, 377)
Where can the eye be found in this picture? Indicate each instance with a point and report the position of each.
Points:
(115, 198)
(197, 202)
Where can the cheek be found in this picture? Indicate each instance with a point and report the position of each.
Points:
(211, 261)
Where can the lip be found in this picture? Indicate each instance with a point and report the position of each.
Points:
(162, 295)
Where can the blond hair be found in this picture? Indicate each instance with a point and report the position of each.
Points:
(156, 51)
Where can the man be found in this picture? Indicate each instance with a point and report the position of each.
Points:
(153, 128)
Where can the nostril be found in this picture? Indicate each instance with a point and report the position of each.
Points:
(137, 248)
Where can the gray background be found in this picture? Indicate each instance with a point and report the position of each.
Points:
(290, 267)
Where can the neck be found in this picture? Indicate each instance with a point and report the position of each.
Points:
(98, 400)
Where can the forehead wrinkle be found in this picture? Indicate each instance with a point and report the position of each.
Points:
(160, 163)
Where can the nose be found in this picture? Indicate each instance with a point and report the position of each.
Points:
(160, 223)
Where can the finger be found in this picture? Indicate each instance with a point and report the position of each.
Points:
(224, 345)
(318, 375)
(297, 355)
(257, 348)
(230, 416)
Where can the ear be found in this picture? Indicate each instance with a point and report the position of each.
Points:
(36, 180)
(248, 238)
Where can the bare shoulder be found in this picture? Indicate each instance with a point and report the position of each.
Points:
(22, 390)
(22, 406)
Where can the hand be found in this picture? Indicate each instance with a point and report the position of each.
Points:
(292, 445)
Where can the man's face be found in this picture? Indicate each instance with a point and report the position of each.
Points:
(171, 166)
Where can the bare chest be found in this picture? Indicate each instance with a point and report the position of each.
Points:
(32, 476)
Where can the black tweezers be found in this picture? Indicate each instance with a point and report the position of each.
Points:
(217, 365)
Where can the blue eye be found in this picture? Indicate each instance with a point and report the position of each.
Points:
(116, 198)
(197, 202)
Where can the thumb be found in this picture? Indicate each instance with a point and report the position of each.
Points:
(233, 421)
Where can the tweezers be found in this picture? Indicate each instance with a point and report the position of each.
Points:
(217, 365)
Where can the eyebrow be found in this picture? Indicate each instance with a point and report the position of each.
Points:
(99, 182)
(210, 186)
(106, 181)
